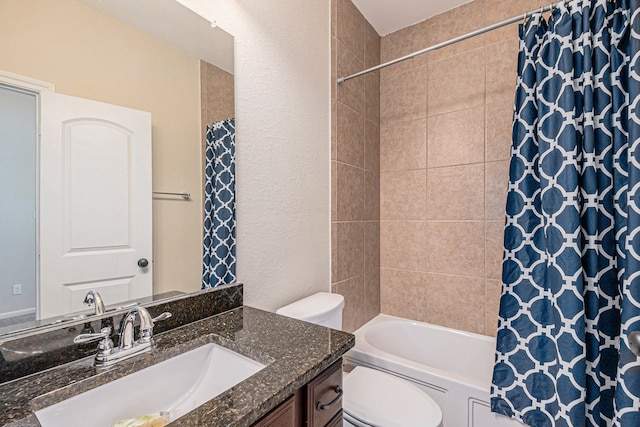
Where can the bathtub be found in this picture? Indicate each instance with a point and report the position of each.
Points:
(453, 367)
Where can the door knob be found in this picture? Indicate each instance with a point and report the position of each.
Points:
(634, 342)
(143, 262)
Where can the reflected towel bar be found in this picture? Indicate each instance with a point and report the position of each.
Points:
(183, 195)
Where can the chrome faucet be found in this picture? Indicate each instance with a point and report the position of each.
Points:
(93, 297)
(107, 355)
(146, 327)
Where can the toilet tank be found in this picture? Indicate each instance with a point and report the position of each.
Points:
(322, 308)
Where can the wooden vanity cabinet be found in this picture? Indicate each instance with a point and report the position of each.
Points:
(317, 404)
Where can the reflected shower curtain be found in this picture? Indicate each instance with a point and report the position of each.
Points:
(571, 268)
(219, 259)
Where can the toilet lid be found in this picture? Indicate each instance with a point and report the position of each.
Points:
(379, 399)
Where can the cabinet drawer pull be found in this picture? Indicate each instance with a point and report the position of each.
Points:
(322, 406)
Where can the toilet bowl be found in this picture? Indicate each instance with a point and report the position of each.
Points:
(371, 398)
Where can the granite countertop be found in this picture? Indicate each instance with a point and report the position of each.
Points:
(294, 352)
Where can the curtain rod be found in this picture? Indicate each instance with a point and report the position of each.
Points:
(450, 42)
(183, 195)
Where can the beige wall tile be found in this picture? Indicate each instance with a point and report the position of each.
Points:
(334, 252)
(454, 23)
(467, 91)
(217, 93)
(455, 192)
(371, 196)
(350, 27)
(499, 10)
(403, 195)
(403, 42)
(350, 193)
(349, 260)
(402, 245)
(334, 129)
(350, 140)
(403, 145)
(371, 146)
(334, 190)
(498, 131)
(351, 92)
(372, 269)
(371, 46)
(203, 109)
(353, 292)
(372, 97)
(493, 291)
(456, 138)
(455, 248)
(371, 295)
(456, 302)
(456, 83)
(334, 17)
(372, 247)
(496, 186)
(502, 68)
(334, 68)
(355, 145)
(403, 96)
(507, 32)
(403, 293)
(494, 244)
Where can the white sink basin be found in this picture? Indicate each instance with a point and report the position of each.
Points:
(177, 385)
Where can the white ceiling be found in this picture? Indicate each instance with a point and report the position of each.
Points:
(388, 16)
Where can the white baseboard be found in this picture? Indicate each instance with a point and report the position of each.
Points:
(17, 313)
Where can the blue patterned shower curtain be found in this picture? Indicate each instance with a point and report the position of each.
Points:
(219, 259)
(571, 268)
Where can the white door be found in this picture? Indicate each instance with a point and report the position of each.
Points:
(95, 203)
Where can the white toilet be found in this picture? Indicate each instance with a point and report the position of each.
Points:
(371, 397)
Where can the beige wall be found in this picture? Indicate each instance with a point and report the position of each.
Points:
(355, 166)
(444, 150)
(90, 55)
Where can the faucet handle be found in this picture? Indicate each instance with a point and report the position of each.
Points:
(163, 316)
(104, 333)
(105, 347)
(146, 331)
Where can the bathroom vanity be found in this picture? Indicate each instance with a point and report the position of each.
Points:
(316, 404)
(302, 371)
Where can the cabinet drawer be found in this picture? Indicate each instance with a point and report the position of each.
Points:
(336, 421)
(288, 414)
(324, 396)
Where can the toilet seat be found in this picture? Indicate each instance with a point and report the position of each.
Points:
(375, 399)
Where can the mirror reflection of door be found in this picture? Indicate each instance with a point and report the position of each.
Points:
(95, 203)
(17, 205)
(95, 219)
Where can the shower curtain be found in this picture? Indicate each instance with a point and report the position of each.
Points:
(219, 255)
(571, 267)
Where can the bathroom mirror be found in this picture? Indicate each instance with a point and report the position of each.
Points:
(156, 56)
